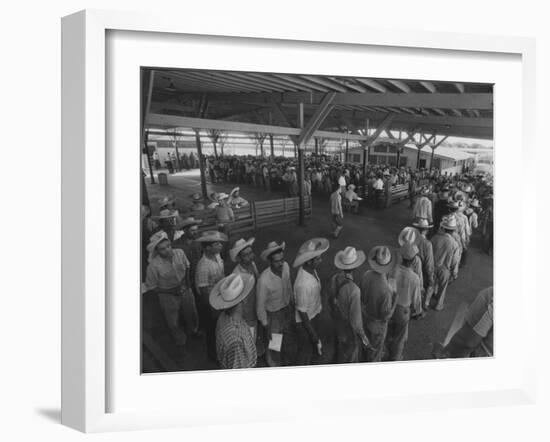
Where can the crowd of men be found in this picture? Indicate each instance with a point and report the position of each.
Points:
(259, 314)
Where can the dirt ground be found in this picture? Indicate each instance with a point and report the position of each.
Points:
(369, 228)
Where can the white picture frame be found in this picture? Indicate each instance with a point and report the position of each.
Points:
(85, 199)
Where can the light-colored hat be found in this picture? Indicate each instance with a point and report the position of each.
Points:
(212, 236)
(272, 247)
(154, 241)
(236, 189)
(167, 199)
(213, 196)
(408, 251)
(424, 190)
(165, 214)
(349, 258)
(311, 249)
(239, 245)
(196, 196)
(407, 235)
(381, 259)
(231, 290)
(474, 203)
(422, 223)
(453, 205)
(351, 187)
(222, 196)
(449, 223)
(190, 222)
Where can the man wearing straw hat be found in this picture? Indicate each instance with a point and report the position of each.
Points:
(274, 302)
(423, 206)
(307, 292)
(235, 346)
(236, 200)
(378, 298)
(224, 213)
(409, 235)
(210, 269)
(168, 277)
(189, 244)
(346, 302)
(243, 255)
(353, 198)
(408, 301)
(446, 258)
(197, 204)
(426, 253)
(168, 222)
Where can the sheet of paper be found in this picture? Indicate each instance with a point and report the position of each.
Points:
(253, 332)
(276, 341)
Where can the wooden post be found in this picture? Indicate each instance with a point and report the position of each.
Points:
(432, 159)
(418, 158)
(398, 147)
(146, 139)
(347, 148)
(271, 145)
(316, 147)
(146, 105)
(301, 169)
(201, 165)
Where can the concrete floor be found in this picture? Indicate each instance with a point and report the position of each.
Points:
(367, 229)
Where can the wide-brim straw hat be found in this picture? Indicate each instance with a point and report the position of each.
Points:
(422, 223)
(231, 290)
(271, 248)
(408, 251)
(449, 223)
(189, 222)
(474, 204)
(196, 197)
(351, 187)
(407, 235)
(212, 236)
(167, 199)
(154, 241)
(311, 249)
(222, 196)
(236, 189)
(165, 214)
(239, 245)
(349, 258)
(382, 259)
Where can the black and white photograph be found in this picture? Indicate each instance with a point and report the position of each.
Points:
(292, 219)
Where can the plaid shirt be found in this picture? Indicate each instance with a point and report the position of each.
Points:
(208, 272)
(235, 346)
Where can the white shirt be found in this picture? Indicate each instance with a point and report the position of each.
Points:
(307, 290)
(378, 184)
(341, 181)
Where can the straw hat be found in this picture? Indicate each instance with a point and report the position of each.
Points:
(241, 244)
(311, 249)
(189, 222)
(165, 214)
(236, 189)
(212, 236)
(449, 223)
(422, 223)
(351, 187)
(196, 197)
(231, 290)
(349, 258)
(474, 203)
(222, 196)
(408, 251)
(166, 200)
(272, 247)
(381, 259)
(407, 235)
(154, 241)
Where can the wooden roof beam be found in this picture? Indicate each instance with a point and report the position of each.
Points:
(301, 82)
(429, 86)
(373, 84)
(401, 85)
(317, 119)
(459, 87)
(324, 82)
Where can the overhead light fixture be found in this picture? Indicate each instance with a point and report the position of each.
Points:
(171, 87)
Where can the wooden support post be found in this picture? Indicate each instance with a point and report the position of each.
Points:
(398, 147)
(418, 157)
(347, 149)
(202, 166)
(146, 106)
(432, 158)
(146, 139)
(301, 177)
(271, 145)
(316, 147)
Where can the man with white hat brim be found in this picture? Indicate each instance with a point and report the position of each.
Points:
(347, 306)
(239, 246)
(426, 254)
(235, 199)
(409, 235)
(168, 276)
(271, 248)
(378, 299)
(423, 207)
(212, 236)
(408, 301)
(446, 250)
(307, 292)
(235, 345)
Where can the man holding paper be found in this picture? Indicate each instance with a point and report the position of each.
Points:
(273, 303)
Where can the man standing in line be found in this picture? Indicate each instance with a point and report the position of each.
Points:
(346, 302)
(425, 251)
(210, 270)
(408, 302)
(243, 255)
(423, 206)
(446, 258)
(274, 302)
(336, 211)
(168, 277)
(378, 187)
(307, 290)
(378, 298)
(235, 347)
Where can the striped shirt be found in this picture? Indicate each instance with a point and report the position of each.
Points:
(208, 272)
(235, 347)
